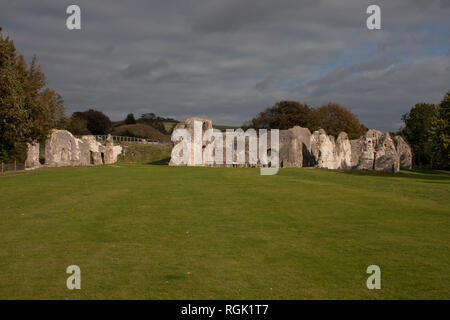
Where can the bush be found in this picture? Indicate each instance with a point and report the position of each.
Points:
(97, 122)
(130, 119)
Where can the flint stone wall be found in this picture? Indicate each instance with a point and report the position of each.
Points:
(404, 152)
(299, 148)
(63, 149)
(196, 141)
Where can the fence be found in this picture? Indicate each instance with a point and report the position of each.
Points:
(102, 138)
(12, 165)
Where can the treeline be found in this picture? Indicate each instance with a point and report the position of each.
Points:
(427, 129)
(89, 122)
(151, 119)
(97, 123)
(331, 117)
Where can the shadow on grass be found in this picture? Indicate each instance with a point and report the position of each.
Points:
(161, 162)
(418, 174)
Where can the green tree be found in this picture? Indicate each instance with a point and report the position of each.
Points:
(78, 126)
(97, 122)
(14, 123)
(154, 121)
(283, 115)
(130, 119)
(287, 114)
(440, 134)
(46, 107)
(335, 119)
(417, 131)
(28, 109)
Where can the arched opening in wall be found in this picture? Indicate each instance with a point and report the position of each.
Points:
(308, 158)
(269, 157)
(91, 157)
(103, 157)
(42, 153)
(64, 156)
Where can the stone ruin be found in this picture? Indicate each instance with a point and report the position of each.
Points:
(299, 148)
(63, 149)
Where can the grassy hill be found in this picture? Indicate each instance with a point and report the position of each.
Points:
(141, 130)
(169, 126)
(145, 153)
(141, 231)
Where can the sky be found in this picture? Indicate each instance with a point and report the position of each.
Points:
(228, 60)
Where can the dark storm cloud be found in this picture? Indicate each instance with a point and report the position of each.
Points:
(230, 16)
(139, 69)
(229, 59)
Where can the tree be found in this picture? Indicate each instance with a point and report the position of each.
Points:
(417, 131)
(283, 115)
(335, 119)
(28, 109)
(440, 134)
(148, 117)
(45, 105)
(154, 121)
(159, 125)
(14, 123)
(78, 126)
(97, 122)
(287, 114)
(130, 119)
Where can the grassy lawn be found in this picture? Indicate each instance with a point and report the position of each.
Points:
(169, 126)
(141, 231)
(144, 153)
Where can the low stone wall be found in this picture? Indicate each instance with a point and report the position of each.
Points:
(63, 149)
(299, 148)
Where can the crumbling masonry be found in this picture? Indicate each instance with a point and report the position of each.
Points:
(63, 149)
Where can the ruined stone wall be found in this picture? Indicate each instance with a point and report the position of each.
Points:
(63, 149)
(299, 148)
(374, 151)
(214, 151)
(32, 160)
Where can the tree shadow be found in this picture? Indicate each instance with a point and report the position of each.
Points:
(418, 174)
(160, 162)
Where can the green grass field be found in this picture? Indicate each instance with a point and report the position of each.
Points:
(141, 231)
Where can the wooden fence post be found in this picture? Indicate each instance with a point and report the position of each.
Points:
(15, 165)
